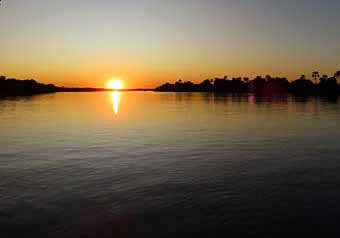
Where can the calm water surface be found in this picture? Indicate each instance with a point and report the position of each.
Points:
(143, 164)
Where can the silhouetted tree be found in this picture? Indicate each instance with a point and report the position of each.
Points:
(302, 86)
(328, 86)
(238, 86)
(257, 85)
(323, 78)
(222, 84)
(315, 76)
(337, 74)
(205, 85)
(268, 77)
(15, 87)
(268, 86)
(302, 77)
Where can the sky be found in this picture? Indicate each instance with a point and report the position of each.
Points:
(149, 42)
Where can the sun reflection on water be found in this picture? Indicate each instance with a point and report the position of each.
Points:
(115, 97)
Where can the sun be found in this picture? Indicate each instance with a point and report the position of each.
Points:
(115, 84)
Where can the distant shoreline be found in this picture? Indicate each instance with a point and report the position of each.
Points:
(64, 89)
(68, 90)
(29, 87)
(268, 86)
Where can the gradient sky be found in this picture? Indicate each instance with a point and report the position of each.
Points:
(148, 42)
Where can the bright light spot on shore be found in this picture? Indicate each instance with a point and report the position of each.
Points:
(115, 84)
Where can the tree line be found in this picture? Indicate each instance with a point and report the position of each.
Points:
(319, 85)
(16, 87)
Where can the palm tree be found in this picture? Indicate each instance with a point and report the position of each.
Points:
(337, 74)
(315, 76)
(302, 77)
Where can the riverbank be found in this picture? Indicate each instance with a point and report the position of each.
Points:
(16, 87)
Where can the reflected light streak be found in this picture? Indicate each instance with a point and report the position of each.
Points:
(251, 99)
(115, 97)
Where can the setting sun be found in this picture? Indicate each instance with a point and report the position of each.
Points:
(115, 84)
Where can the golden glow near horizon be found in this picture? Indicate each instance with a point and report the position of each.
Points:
(115, 84)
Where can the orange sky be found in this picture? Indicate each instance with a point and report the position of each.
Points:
(148, 42)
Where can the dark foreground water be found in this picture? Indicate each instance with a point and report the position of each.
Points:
(168, 165)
